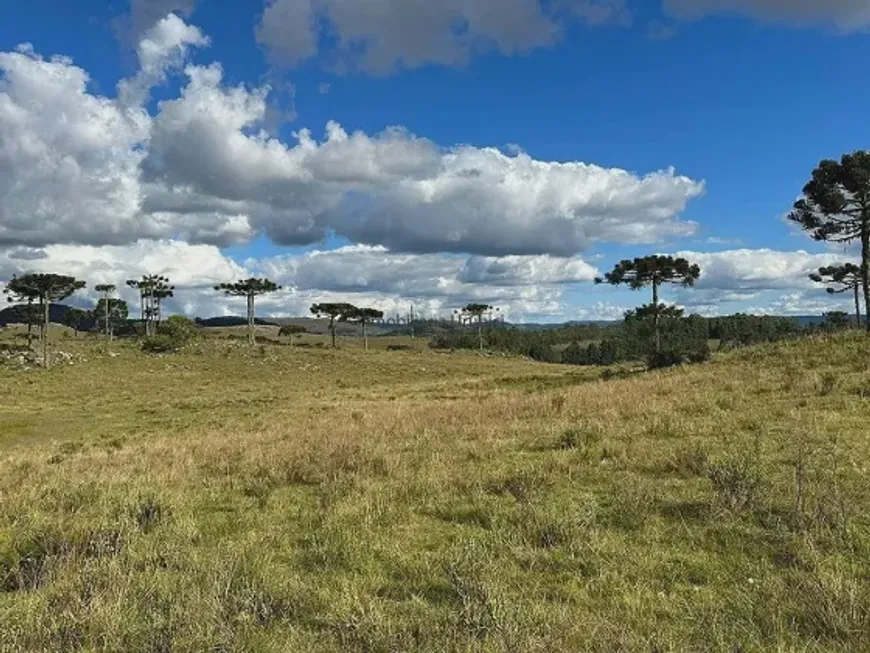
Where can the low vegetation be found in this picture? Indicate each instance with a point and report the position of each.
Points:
(236, 498)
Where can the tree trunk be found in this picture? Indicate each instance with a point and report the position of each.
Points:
(252, 339)
(656, 316)
(30, 323)
(857, 307)
(865, 264)
(480, 330)
(106, 309)
(332, 330)
(46, 316)
(365, 335)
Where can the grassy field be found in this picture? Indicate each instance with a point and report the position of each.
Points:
(301, 499)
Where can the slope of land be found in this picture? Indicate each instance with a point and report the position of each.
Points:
(289, 499)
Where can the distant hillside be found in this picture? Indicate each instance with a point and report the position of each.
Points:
(13, 315)
(56, 312)
(232, 321)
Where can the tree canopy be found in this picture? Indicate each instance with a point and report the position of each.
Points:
(840, 279)
(835, 207)
(653, 271)
(249, 289)
(153, 289)
(364, 316)
(336, 312)
(47, 288)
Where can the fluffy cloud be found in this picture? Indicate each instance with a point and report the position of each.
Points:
(394, 188)
(757, 269)
(76, 167)
(434, 284)
(69, 160)
(144, 14)
(378, 35)
(162, 47)
(760, 281)
(846, 15)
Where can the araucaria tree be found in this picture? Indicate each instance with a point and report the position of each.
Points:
(153, 289)
(290, 330)
(249, 289)
(836, 207)
(47, 288)
(840, 279)
(19, 292)
(477, 311)
(106, 290)
(111, 313)
(74, 318)
(365, 316)
(653, 271)
(336, 313)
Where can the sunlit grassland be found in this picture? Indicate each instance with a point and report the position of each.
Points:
(300, 499)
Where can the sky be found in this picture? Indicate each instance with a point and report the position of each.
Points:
(392, 153)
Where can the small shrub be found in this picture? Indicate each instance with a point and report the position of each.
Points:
(689, 461)
(828, 383)
(664, 359)
(149, 513)
(172, 334)
(737, 482)
(578, 439)
(160, 344)
(179, 328)
(399, 348)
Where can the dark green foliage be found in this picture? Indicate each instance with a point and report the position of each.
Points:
(179, 328)
(364, 316)
(741, 329)
(74, 318)
(172, 334)
(542, 353)
(44, 288)
(653, 271)
(159, 344)
(837, 320)
(672, 358)
(153, 289)
(840, 279)
(335, 312)
(290, 330)
(116, 310)
(473, 312)
(574, 355)
(249, 289)
(631, 340)
(836, 207)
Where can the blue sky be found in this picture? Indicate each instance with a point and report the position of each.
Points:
(203, 176)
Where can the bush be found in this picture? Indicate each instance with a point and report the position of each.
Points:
(172, 334)
(673, 357)
(399, 348)
(160, 344)
(737, 481)
(179, 328)
(663, 359)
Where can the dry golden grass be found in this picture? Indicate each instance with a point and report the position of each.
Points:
(278, 499)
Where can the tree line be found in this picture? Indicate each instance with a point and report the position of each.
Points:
(835, 208)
